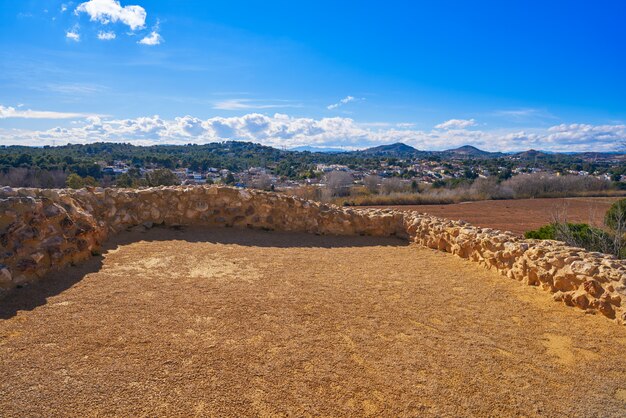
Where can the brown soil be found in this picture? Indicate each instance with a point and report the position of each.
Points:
(523, 215)
(243, 323)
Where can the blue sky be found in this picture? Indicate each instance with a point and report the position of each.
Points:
(499, 75)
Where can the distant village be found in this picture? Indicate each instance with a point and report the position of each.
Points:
(422, 171)
(256, 166)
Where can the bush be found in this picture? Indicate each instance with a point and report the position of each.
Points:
(545, 232)
(543, 185)
(372, 183)
(74, 181)
(393, 185)
(615, 217)
(32, 177)
(577, 235)
(161, 177)
(262, 182)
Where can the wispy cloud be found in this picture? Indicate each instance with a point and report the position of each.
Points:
(71, 88)
(341, 102)
(11, 112)
(456, 124)
(525, 114)
(250, 104)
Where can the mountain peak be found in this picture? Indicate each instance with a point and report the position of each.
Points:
(468, 151)
(397, 148)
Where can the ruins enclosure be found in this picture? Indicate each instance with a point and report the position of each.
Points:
(235, 302)
(45, 230)
(233, 322)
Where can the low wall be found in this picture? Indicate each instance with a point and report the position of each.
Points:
(44, 230)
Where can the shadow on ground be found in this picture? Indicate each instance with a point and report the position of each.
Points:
(30, 296)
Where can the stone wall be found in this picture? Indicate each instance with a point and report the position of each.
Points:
(43, 230)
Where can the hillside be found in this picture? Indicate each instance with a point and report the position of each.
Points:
(469, 151)
(396, 149)
(50, 166)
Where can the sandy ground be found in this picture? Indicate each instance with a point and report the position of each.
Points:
(242, 323)
(523, 215)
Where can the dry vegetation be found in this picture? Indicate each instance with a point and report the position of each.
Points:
(33, 177)
(609, 238)
(339, 188)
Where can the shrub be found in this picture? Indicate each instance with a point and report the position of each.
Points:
(262, 182)
(615, 217)
(545, 232)
(393, 185)
(161, 177)
(32, 177)
(577, 235)
(543, 185)
(372, 183)
(74, 181)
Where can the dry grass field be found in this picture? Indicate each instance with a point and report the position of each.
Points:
(203, 322)
(521, 215)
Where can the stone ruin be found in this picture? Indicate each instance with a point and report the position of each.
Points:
(43, 230)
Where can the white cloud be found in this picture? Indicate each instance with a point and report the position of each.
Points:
(106, 36)
(282, 130)
(73, 35)
(111, 11)
(576, 134)
(456, 124)
(11, 112)
(63, 8)
(153, 39)
(341, 102)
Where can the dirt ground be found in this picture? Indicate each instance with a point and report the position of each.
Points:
(523, 215)
(206, 322)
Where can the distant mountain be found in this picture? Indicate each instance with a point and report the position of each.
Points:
(468, 151)
(317, 149)
(531, 154)
(393, 149)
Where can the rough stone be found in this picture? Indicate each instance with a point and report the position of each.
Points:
(43, 230)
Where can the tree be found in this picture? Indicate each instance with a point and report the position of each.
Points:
(74, 181)
(372, 183)
(505, 174)
(469, 174)
(124, 180)
(161, 177)
(616, 215)
(262, 182)
(338, 183)
(229, 179)
(393, 185)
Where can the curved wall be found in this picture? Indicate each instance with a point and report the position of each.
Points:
(42, 230)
